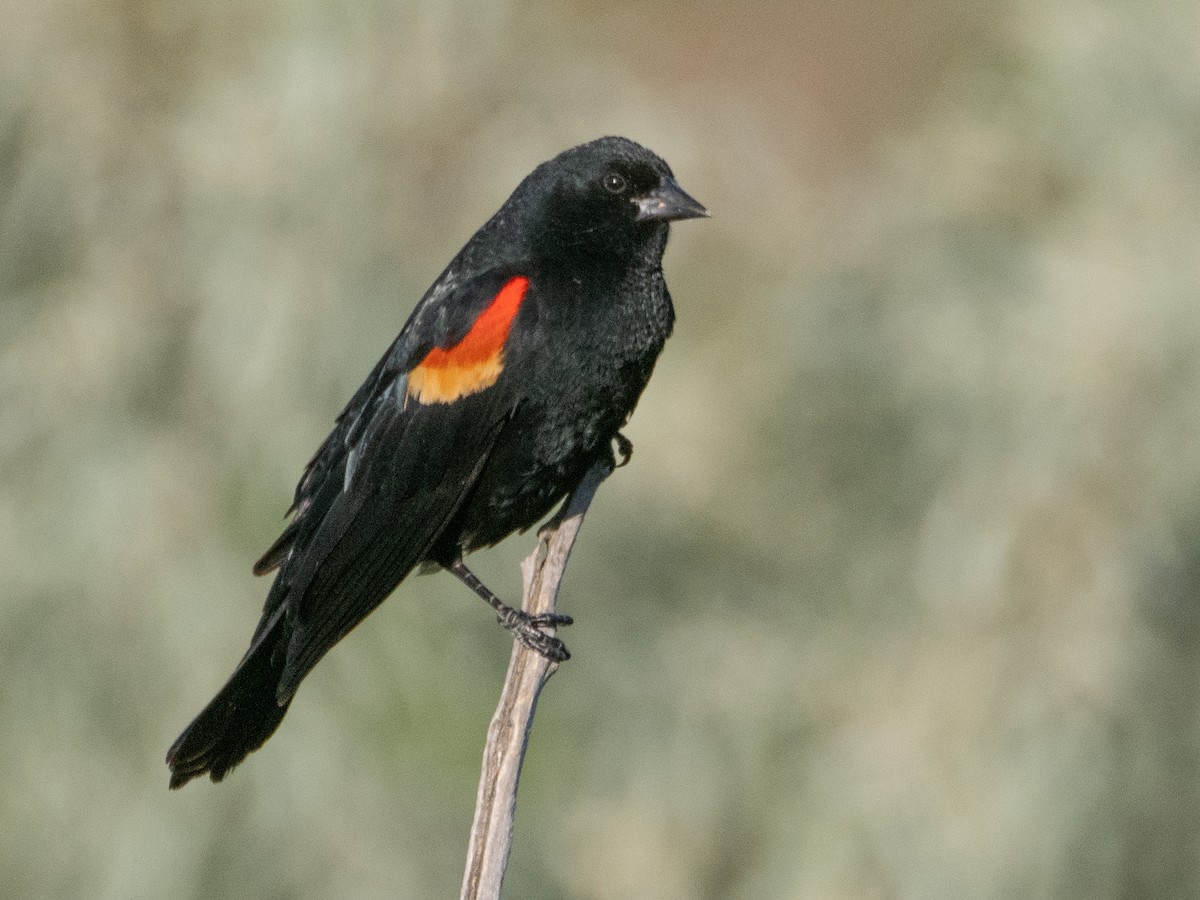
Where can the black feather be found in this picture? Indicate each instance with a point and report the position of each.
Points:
(400, 483)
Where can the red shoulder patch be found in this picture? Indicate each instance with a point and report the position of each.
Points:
(475, 362)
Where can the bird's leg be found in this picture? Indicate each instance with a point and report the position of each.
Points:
(525, 627)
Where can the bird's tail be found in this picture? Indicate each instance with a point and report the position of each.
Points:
(242, 715)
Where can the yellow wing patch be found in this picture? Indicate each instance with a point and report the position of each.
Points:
(474, 363)
(449, 382)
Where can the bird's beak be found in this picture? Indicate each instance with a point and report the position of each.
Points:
(668, 202)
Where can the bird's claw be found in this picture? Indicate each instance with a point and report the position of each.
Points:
(528, 630)
(624, 449)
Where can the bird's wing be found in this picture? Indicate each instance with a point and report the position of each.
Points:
(396, 467)
(442, 318)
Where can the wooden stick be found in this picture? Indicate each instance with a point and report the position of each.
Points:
(528, 672)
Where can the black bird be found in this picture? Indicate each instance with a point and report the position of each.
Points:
(509, 381)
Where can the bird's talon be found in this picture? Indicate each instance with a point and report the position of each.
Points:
(550, 620)
(543, 644)
(624, 448)
(528, 630)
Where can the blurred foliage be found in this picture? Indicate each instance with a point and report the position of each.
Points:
(898, 597)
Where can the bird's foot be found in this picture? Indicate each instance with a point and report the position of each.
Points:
(527, 629)
(624, 448)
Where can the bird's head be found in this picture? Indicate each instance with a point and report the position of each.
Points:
(607, 198)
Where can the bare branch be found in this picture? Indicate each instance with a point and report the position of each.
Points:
(528, 671)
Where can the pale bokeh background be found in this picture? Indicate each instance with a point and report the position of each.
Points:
(899, 595)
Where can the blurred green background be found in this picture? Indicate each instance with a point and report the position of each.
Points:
(899, 595)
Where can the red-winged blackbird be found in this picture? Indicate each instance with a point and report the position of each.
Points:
(509, 381)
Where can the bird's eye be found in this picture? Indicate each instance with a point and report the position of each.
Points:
(614, 183)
